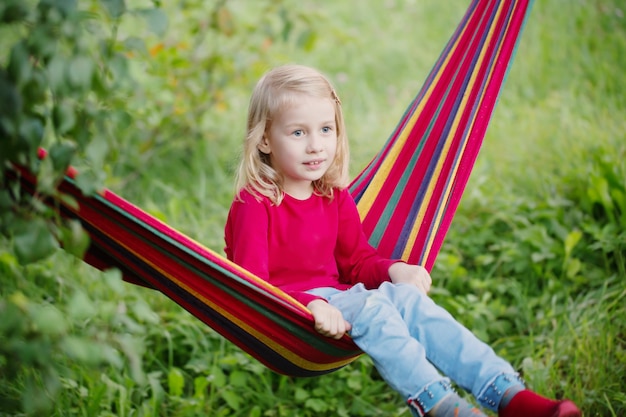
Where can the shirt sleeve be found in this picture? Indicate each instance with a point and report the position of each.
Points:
(357, 260)
(246, 235)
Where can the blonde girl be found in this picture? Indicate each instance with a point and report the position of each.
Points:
(294, 224)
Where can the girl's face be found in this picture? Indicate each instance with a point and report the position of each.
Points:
(302, 142)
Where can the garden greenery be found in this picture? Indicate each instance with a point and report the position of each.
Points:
(148, 98)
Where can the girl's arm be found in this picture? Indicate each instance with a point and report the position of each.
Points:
(356, 259)
(246, 235)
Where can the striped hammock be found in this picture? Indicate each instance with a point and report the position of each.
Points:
(406, 196)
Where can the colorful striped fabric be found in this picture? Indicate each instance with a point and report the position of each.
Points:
(259, 318)
(406, 196)
(409, 193)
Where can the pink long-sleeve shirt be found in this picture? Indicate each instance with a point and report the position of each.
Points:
(303, 244)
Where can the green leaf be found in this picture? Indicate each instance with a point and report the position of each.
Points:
(156, 19)
(35, 89)
(66, 7)
(599, 193)
(75, 239)
(13, 315)
(154, 379)
(232, 399)
(96, 151)
(200, 385)
(301, 394)
(31, 132)
(35, 399)
(239, 378)
(620, 201)
(573, 267)
(48, 319)
(144, 313)
(572, 240)
(19, 300)
(176, 382)
(113, 279)
(83, 350)
(63, 117)
(307, 40)
(217, 377)
(13, 11)
(81, 71)
(134, 43)
(10, 100)
(61, 154)
(46, 181)
(80, 306)
(316, 404)
(33, 241)
(68, 200)
(19, 67)
(116, 8)
(255, 411)
(118, 65)
(89, 182)
(56, 74)
(43, 42)
(133, 349)
(111, 356)
(6, 202)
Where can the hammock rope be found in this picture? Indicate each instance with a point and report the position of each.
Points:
(406, 197)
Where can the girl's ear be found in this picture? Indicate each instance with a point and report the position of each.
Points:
(264, 145)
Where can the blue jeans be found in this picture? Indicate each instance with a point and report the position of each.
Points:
(412, 342)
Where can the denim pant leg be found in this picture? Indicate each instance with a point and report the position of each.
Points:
(410, 339)
(378, 329)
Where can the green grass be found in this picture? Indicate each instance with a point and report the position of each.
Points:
(534, 261)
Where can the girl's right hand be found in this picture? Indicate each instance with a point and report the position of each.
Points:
(328, 319)
(403, 273)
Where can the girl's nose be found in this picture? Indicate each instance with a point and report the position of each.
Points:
(314, 144)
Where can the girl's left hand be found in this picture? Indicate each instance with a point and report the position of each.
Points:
(402, 273)
(328, 319)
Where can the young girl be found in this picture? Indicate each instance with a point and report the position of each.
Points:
(294, 224)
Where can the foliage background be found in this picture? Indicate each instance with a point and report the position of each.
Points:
(149, 99)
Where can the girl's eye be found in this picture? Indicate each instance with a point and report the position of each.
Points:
(326, 129)
(298, 133)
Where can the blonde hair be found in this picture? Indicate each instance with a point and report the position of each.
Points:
(273, 91)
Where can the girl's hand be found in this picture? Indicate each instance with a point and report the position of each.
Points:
(402, 273)
(328, 319)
